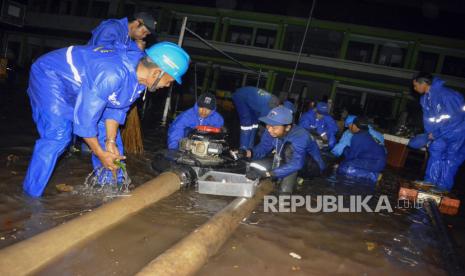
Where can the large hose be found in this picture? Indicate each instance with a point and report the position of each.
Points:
(28, 256)
(191, 253)
(451, 258)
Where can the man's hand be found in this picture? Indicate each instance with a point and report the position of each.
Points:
(108, 159)
(256, 171)
(110, 146)
(240, 154)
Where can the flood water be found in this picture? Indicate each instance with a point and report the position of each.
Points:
(402, 243)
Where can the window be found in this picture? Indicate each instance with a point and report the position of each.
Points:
(39, 6)
(454, 66)
(265, 38)
(204, 29)
(426, 62)
(82, 8)
(391, 55)
(360, 51)
(318, 42)
(240, 35)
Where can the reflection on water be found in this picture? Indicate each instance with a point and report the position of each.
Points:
(401, 242)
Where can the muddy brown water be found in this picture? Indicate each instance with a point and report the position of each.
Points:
(401, 243)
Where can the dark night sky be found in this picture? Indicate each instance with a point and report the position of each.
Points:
(443, 18)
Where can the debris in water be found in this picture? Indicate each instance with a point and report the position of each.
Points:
(295, 255)
(236, 266)
(2, 238)
(64, 187)
(370, 245)
(295, 268)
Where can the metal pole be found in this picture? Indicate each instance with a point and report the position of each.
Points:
(301, 46)
(168, 98)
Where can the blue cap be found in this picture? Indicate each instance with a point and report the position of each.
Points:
(278, 116)
(322, 108)
(349, 120)
(289, 105)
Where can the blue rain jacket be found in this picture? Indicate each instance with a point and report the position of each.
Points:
(113, 32)
(364, 158)
(187, 121)
(328, 126)
(252, 103)
(344, 141)
(444, 117)
(70, 91)
(302, 144)
(308, 120)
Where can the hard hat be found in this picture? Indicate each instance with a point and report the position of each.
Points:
(349, 120)
(171, 58)
(278, 116)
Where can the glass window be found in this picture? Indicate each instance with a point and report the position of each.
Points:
(426, 62)
(454, 66)
(239, 35)
(391, 55)
(318, 42)
(265, 38)
(204, 29)
(39, 6)
(82, 8)
(360, 51)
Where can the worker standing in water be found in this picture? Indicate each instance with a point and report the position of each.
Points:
(131, 34)
(203, 113)
(294, 151)
(346, 137)
(364, 158)
(252, 103)
(444, 123)
(322, 123)
(74, 88)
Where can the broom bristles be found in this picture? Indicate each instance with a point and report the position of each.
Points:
(132, 134)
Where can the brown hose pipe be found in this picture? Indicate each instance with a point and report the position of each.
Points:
(28, 256)
(192, 252)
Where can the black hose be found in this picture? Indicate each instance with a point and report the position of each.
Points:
(451, 257)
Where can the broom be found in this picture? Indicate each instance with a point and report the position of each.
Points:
(131, 133)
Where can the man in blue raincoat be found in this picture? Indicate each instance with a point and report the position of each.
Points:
(202, 114)
(344, 141)
(294, 151)
(127, 34)
(73, 89)
(444, 123)
(322, 123)
(252, 103)
(364, 158)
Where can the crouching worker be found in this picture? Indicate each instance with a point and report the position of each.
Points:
(364, 158)
(346, 137)
(322, 123)
(87, 90)
(294, 150)
(203, 113)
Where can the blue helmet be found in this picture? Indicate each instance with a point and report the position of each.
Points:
(322, 108)
(349, 120)
(171, 58)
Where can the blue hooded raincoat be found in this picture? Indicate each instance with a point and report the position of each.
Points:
(444, 118)
(113, 32)
(364, 158)
(74, 90)
(252, 103)
(187, 121)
